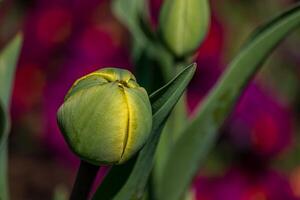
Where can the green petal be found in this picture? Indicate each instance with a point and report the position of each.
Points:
(97, 123)
(140, 121)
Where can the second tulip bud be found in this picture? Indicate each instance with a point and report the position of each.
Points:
(183, 24)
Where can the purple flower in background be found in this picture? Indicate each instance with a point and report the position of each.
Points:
(93, 41)
(209, 64)
(260, 124)
(155, 6)
(240, 184)
(63, 41)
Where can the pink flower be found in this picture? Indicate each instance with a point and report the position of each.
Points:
(261, 124)
(240, 184)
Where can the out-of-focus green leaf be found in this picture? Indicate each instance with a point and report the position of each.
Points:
(149, 55)
(198, 138)
(8, 61)
(145, 47)
(162, 102)
(130, 13)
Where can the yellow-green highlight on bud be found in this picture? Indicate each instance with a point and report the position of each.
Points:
(183, 25)
(106, 116)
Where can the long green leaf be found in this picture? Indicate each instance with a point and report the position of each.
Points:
(198, 138)
(162, 103)
(8, 61)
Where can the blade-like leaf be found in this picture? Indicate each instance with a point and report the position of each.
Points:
(198, 138)
(162, 102)
(8, 60)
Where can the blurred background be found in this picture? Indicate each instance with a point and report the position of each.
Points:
(258, 153)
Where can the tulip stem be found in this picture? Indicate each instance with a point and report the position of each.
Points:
(84, 181)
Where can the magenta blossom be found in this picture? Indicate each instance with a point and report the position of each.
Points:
(208, 59)
(260, 124)
(63, 40)
(239, 184)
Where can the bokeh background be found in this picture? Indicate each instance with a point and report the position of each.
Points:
(257, 156)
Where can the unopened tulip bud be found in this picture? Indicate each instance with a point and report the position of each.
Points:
(106, 116)
(183, 25)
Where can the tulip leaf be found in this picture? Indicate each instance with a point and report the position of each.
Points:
(8, 61)
(198, 138)
(133, 175)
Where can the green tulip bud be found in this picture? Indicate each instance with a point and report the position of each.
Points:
(183, 24)
(106, 116)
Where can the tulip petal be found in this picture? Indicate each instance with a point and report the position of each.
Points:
(96, 134)
(140, 121)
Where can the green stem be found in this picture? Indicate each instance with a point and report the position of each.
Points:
(84, 181)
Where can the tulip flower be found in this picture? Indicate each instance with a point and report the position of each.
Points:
(106, 116)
